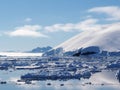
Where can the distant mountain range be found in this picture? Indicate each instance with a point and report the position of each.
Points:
(35, 50)
(40, 49)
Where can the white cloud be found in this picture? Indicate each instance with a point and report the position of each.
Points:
(112, 11)
(27, 30)
(28, 19)
(88, 24)
(59, 27)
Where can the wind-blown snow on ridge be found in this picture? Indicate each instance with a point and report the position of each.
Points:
(107, 39)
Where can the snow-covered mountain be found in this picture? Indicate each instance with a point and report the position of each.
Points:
(107, 40)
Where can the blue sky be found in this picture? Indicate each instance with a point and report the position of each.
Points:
(26, 24)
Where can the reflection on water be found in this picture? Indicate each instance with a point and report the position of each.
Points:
(12, 76)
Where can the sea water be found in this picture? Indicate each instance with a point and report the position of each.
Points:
(12, 76)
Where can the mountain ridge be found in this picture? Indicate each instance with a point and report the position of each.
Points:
(107, 40)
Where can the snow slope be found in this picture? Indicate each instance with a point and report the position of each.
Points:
(107, 39)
